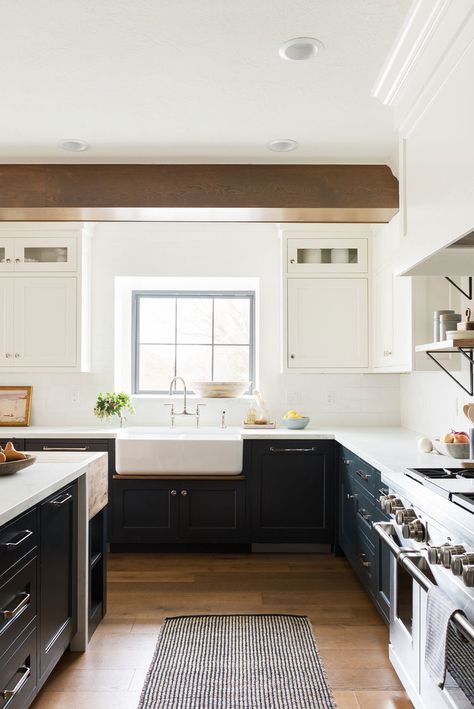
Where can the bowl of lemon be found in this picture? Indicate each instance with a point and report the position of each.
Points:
(295, 421)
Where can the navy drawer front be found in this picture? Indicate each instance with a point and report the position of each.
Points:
(18, 538)
(18, 676)
(64, 445)
(364, 474)
(18, 603)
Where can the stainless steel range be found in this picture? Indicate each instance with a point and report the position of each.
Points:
(431, 536)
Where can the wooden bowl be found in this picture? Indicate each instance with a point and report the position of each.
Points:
(13, 466)
(219, 390)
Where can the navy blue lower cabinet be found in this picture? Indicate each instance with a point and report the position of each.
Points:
(359, 489)
(292, 487)
(58, 577)
(174, 511)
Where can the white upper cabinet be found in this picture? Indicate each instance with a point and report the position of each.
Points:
(327, 323)
(6, 322)
(44, 298)
(45, 322)
(326, 255)
(46, 254)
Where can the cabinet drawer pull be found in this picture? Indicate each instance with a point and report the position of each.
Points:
(291, 450)
(347, 461)
(14, 545)
(362, 475)
(184, 493)
(61, 500)
(365, 563)
(350, 497)
(364, 514)
(9, 613)
(10, 693)
(63, 450)
(383, 491)
(173, 493)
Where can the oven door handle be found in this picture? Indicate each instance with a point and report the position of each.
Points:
(385, 532)
(458, 618)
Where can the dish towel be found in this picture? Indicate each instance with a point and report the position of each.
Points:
(439, 611)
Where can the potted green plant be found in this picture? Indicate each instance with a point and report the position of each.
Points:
(112, 404)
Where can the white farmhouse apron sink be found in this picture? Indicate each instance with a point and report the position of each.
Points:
(179, 451)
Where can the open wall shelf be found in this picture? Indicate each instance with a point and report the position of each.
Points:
(463, 346)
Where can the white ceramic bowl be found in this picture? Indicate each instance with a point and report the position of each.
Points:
(453, 450)
(219, 390)
(296, 424)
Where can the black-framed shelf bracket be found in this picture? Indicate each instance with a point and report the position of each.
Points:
(467, 295)
(469, 355)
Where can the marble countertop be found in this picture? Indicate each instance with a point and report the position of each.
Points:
(49, 473)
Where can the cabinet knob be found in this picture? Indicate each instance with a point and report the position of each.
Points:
(292, 356)
(17, 355)
(7, 355)
(349, 497)
(184, 493)
(173, 493)
(387, 353)
(292, 260)
(8, 260)
(18, 260)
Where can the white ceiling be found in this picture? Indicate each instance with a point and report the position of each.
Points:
(193, 80)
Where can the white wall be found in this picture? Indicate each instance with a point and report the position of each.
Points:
(213, 250)
(431, 403)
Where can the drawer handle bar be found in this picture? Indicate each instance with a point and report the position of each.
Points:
(364, 562)
(362, 475)
(291, 450)
(13, 545)
(9, 613)
(65, 450)
(10, 693)
(61, 501)
(364, 514)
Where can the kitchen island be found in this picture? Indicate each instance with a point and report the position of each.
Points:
(45, 516)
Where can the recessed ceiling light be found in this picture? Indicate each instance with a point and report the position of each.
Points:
(74, 145)
(283, 145)
(300, 48)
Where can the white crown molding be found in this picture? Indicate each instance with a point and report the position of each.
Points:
(410, 43)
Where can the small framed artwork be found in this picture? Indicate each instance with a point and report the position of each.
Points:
(15, 406)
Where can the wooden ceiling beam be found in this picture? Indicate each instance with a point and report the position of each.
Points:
(307, 193)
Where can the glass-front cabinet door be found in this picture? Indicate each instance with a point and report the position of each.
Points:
(45, 254)
(7, 254)
(326, 255)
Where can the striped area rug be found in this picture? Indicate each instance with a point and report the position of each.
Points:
(236, 662)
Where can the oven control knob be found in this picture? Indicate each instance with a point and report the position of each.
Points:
(459, 562)
(468, 575)
(383, 499)
(414, 530)
(392, 505)
(449, 552)
(435, 555)
(405, 515)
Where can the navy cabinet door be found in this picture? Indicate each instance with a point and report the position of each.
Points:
(292, 491)
(212, 511)
(145, 511)
(58, 576)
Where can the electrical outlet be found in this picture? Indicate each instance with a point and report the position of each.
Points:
(75, 396)
(293, 397)
(330, 398)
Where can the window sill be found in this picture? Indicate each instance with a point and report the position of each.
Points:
(193, 397)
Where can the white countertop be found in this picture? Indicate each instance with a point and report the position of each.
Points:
(50, 473)
(389, 449)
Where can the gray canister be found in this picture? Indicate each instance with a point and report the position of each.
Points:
(436, 318)
(448, 321)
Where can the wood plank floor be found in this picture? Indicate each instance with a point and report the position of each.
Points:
(145, 588)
